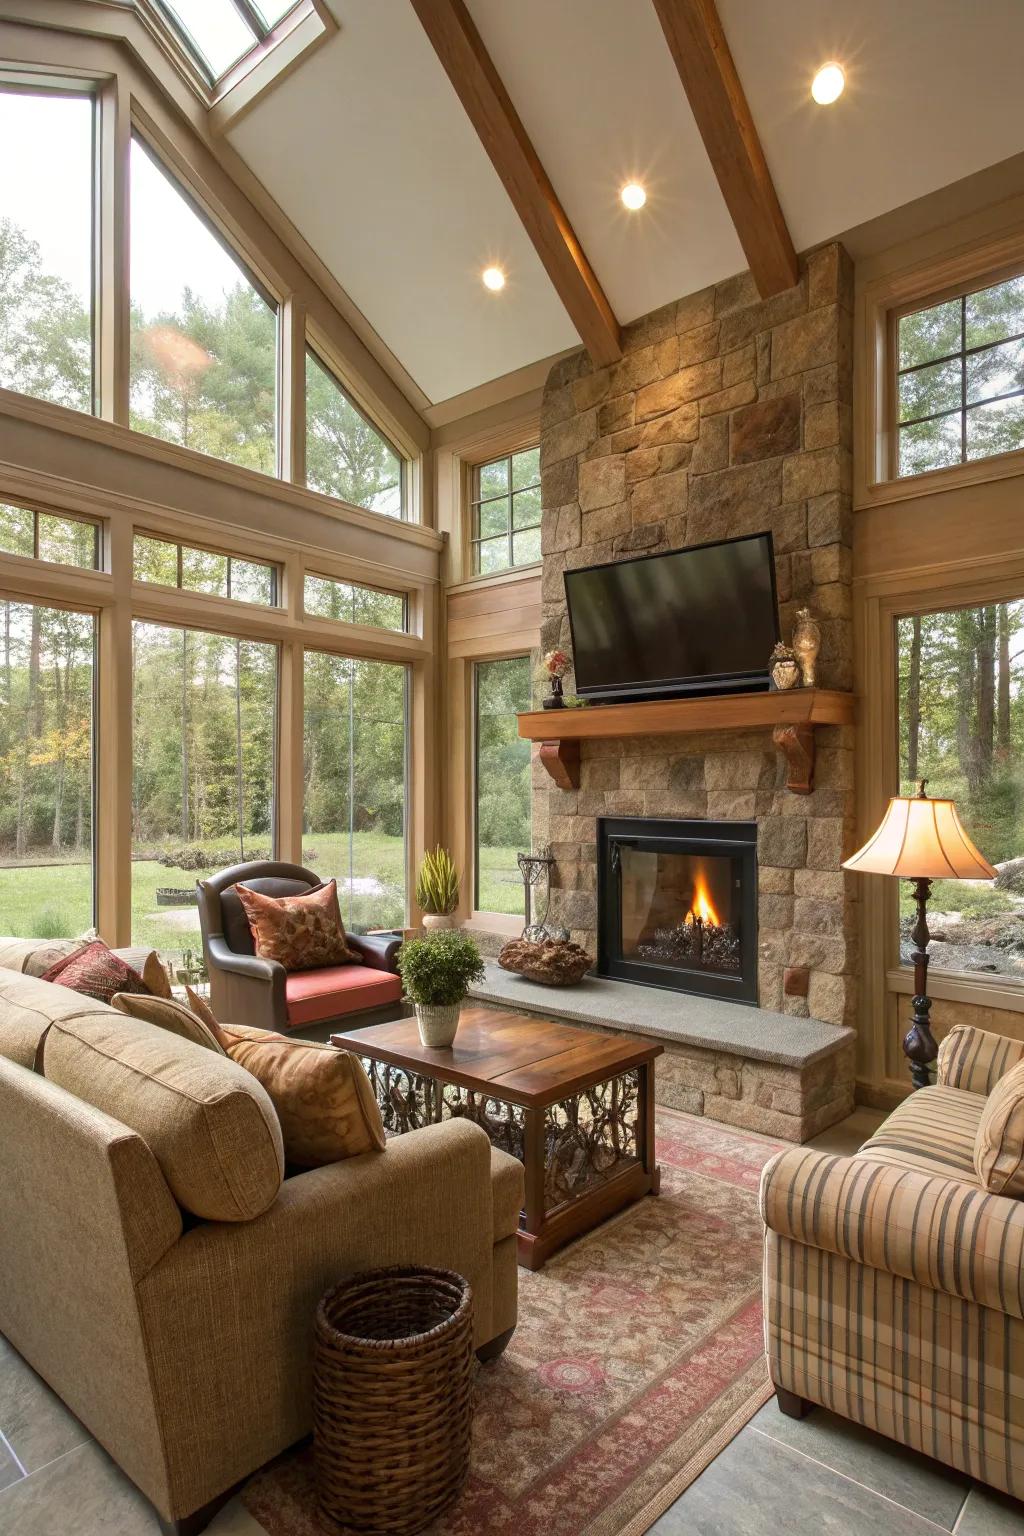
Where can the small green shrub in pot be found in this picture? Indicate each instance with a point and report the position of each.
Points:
(436, 973)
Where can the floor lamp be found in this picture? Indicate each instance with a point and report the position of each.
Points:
(921, 839)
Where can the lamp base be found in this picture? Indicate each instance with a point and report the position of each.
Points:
(919, 1044)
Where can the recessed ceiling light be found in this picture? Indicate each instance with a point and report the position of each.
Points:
(633, 195)
(494, 279)
(827, 85)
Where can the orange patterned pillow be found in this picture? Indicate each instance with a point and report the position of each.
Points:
(302, 932)
(322, 1095)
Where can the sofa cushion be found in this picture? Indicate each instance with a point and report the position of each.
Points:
(28, 1007)
(167, 1013)
(95, 971)
(338, 989)
(32, 957)
(999, 1149)
(210, 1125)
(322, 1096)
(301, 933)
(933, 1130)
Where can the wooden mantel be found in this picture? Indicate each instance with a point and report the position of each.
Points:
(792, 716)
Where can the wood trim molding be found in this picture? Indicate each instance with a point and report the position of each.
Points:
(468, 65)
(718, 102)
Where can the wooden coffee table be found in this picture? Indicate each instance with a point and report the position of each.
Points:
(576, 1107)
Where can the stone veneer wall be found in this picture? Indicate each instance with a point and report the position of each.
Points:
(726, 415)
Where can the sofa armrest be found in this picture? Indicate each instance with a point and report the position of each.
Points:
(942, 1233)
(246, 989)
(252, 967)
(376, 949)
(975, 1059)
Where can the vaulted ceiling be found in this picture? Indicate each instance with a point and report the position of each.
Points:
(367, 148)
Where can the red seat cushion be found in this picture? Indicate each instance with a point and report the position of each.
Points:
(338, 989)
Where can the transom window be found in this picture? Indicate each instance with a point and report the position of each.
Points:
(203, 570)
(961, 379)
(353, 604)
(42, 536)
(217, 33)
(506, 512)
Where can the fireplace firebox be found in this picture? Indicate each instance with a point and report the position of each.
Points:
(677, 904)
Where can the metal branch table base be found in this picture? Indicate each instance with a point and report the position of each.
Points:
(575, 1107)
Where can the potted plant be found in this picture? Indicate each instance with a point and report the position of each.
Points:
(436, 973)
(437, 889)
(555, 664)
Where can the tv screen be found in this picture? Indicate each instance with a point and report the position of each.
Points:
(700, 620)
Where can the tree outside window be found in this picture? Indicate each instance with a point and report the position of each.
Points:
(506, 512)
(961, 725)
(346, 456)
(503, 820)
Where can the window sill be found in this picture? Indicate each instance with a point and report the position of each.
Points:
(494, 922)
(1001, 466)
(498, 578)
(1002, 993)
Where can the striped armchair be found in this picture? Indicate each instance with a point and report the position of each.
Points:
(894, 1283)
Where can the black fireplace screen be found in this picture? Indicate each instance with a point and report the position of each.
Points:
(677, 904)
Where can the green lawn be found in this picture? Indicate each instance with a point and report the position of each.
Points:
(54, 901)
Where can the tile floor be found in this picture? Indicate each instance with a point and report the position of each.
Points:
(819, 1476)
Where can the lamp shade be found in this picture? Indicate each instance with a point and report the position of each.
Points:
(921, 838)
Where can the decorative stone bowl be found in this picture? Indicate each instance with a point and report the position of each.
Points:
(552, 963)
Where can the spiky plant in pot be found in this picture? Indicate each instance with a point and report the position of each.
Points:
(437, 889)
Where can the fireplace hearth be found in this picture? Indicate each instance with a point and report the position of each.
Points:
(677, 904)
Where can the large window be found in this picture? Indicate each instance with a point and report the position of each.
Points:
(203, 335)
(42, 536)
(354, 604)
(46, 244)
(503, 829)
(46, 770)
(346, 456)
(204, 714)
(506, 512)
(961, 701)
(355, 784)
(193, 569)
(961, 379)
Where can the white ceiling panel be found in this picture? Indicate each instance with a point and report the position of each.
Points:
(368, 151)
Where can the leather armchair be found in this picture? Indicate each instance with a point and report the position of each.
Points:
(247, 989)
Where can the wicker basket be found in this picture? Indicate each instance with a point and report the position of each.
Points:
(392, 1399)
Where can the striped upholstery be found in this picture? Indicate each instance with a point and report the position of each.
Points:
(975, 1059)
(999, 1154)
(933, 1130)
(894, 1282)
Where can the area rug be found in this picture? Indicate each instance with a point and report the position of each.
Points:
(638, 1356)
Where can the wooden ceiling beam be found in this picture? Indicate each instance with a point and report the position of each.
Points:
(693, 31)
(479, 87)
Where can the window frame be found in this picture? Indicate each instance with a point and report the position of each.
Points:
(476, 501)
(478, 912)
(960, 294)
(61, 516)
(181, 544)
(311, 350)
(258, 28)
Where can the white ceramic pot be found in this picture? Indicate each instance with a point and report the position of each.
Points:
(437, 1024)
(434, 921)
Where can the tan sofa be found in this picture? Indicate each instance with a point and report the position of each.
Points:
(184, 1344)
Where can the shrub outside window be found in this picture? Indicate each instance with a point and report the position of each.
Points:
(346, 455)
(170, 564)
(960, 379)
(961, 726)
(351, 603)
(502, 810)
(44, 536)
(506, 512)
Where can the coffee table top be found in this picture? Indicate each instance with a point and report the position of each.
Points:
(528, 1061)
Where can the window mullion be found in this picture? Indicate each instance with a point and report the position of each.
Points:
(251, 17)
(963, 379)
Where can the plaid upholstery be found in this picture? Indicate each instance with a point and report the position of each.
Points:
(975, 1059)
(999, 1154)
(894, 1285)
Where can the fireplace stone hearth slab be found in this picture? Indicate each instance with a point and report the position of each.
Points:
(752, 1067)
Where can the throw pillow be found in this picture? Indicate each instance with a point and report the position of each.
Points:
(999, 1143)
(95, 972)
(322, 1095)
(202, 1010)
(167, 1013)
(302, 932)
(154, 974)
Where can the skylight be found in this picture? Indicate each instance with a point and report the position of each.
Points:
(220, 32)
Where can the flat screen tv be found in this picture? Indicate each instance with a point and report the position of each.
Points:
(691, 621)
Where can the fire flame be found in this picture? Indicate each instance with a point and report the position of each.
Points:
(702, 906)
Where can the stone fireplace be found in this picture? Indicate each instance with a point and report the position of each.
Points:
(677, 904)
(727, 415)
